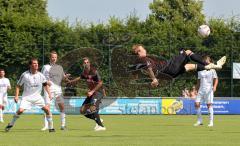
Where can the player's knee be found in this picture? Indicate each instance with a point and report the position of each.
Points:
(209, 105)
(93, 108)
(82, 110)
(197, 105)
(20, 111)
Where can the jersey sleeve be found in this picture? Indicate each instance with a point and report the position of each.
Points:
(43, 78)
(21, 80)
(8, 83)
(45, 72)
(199, 75)
(63, 72)
(214, 74)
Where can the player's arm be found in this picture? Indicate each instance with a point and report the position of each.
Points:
(46, 87)
(152, 76)
(215, 84)
(74, 80)
(17, 93)
(9, 86)
(98, 86)
(198, 84)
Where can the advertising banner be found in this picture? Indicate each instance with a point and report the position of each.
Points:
(146, 106)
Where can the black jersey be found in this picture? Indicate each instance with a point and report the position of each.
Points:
(92, 77)
(172, 67)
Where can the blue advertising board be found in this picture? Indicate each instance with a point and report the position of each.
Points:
(147, 105)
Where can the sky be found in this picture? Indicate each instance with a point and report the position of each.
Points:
(99, 11)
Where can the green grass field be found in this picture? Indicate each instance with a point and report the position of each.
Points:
(129, 130)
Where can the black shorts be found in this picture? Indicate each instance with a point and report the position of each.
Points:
(95, 99)
(175, 66)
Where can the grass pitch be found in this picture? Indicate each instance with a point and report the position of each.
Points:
(128, 130)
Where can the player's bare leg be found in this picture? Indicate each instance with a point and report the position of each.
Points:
(14, 119)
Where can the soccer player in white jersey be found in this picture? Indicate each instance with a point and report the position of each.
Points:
(207, 85)
(4, 87)
(54, 74)
(32, 82)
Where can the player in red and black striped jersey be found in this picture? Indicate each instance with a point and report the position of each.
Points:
(173, 67)
(90, 106)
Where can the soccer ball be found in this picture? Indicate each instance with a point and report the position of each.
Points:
(204, 30)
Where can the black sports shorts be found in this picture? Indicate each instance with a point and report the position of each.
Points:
(95, 99)
(175, 66)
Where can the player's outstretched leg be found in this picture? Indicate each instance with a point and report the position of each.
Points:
(219, 64)
(10, 125)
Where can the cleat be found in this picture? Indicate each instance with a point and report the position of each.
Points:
(63, 128)
(8, 127)
(97, 124)
(44, 129)
(213, 66)
(52, 130)
(100, 128)
(198, 124)
(222, 61)
(210, 124)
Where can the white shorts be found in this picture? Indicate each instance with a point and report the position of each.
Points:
(28, 101)
(206, 96)
(57, 97)
(3, 100)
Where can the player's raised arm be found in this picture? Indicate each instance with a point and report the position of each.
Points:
(152, 76)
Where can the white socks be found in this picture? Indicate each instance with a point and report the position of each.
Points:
(210, 111)
(63, 119)
(50, 121)
(45, 121)
(1, 115)
(199, 115)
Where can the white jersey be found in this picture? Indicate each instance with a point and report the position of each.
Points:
(206, 79)
(32, 83)
(4, 85)
(54, 74)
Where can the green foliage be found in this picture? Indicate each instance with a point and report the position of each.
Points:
(27, 31)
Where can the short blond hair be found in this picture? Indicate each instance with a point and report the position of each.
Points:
(134, 47)
(53, 52)
(86, 58)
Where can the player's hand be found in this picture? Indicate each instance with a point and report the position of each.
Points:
(16, 99)
(67, 75)
(154, 83)
(90, 93)
(69, 81)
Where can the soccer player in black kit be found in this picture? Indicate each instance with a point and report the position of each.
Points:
(174, 66)
(90, 106)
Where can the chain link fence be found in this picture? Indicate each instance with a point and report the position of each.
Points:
(112, 55)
